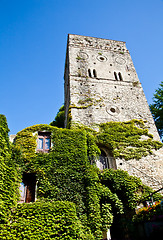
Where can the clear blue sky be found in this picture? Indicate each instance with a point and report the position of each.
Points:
(33, 36)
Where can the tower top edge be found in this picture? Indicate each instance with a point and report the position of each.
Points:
(82, 37)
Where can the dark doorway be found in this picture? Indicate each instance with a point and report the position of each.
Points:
(29, 181)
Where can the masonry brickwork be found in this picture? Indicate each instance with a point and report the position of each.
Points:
(101, 85)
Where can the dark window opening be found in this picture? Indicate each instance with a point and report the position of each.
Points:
(112, 110)
(28, 188)
(103, 160)
(89, 73)
(43, 142)
(102, 58)
(120, 76)
(94, 73)
(115, 75)
(106, 160)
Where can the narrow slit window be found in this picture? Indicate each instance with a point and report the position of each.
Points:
(89, 73)
(120, 76)
(94, 73)
(115, 75)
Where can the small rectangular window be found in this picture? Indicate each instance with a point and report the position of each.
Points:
(43, 142)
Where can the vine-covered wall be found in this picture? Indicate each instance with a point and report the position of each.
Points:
(9, 193)
(48, 220)
(69, 187)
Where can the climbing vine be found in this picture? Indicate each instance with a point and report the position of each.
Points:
(45, 220)
(125, 140)
(9, 179)
(65, 174)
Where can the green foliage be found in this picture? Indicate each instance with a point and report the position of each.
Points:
(61, 172)
(107, 216)
(4, 139)
(65, 174)
(157, 109)
(101, 203)
(51, 220)
(93, 149)
(25, 141)
(59, 119)
(86, 102)
(8, 174)
(124, 139)
(64, 167)
(125, 186)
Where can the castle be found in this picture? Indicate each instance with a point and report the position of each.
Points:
(101, 85)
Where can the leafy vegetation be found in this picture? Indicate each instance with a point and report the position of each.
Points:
(124, 139)
(59, 119)
(74, 199)
(157, 109)
(45, 220)
(9, 180)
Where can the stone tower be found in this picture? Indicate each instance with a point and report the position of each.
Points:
(101, 85)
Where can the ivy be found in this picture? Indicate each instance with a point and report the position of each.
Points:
(45, 220)
(125, 186)
(59, 119)
(9, 179)
(67, 184)
(124, 139)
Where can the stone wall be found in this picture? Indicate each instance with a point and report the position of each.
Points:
(149, 169)
(101, 85)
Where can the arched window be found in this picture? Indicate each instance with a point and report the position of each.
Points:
(106, 160)
(102, 161)
(115, 75)
(89, 73)
(94, 73)
(120, 76)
